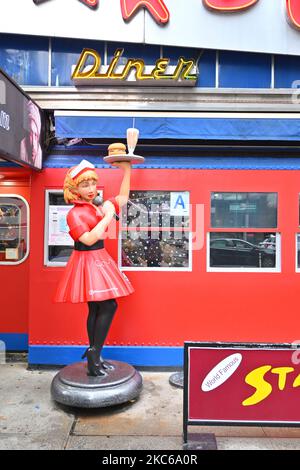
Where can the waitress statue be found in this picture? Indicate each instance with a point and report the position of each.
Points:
(92, 276)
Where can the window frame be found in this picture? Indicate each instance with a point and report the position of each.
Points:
(296, 254)
(147, 268)
(158, 229)
(47, 262)
(276, 269)
(16, 263)
(211, 229)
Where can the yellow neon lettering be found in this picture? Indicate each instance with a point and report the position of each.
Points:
(78, 71)
(160, 69)
(282, 373)
(255, 378)
(189, 66)
(182, 70)
(139, 66)
(296, 382)
(110, 71)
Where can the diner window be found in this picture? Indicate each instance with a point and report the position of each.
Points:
(298, 240)
(58, 244)
(298, 252)
(240, 249)
(155, 231)
(14, 229)
(242, 210)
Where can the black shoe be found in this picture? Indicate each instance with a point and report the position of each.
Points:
(106, 365)
(93, 362)
(85, 353)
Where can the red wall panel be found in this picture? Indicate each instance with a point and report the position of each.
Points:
(14, 280)
(170, 307)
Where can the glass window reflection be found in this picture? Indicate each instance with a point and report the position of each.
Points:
(155, 230)
(13, 229)
(241, 210)
(155, 249)
(243, 250)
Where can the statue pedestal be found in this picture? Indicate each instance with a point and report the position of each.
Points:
(73, 387)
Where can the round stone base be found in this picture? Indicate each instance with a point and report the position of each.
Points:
(176, 379)
(73, 387)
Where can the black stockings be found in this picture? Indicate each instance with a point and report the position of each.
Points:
(99, 320)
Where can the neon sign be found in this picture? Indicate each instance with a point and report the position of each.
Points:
(160, 13)
(293, 12)
(225, 6)
(129, 8)
(228, 5)
(156, 8)
(161, 72)
(89, 3)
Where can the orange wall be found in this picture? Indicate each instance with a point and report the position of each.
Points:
(170, 307)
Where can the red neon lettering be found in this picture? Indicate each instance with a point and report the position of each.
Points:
(229, 5)
(156, 8)
(293, 12)
(160, 13)
(90, 3)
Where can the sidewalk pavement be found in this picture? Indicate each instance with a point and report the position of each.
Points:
(29, 419)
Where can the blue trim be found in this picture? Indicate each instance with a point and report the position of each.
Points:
(188, 163)
(15, 341)
(240, 70)
(135, 355)
(65, 53)
(206, 60)
(25, 58)
(8, 164)
(287, 70)
(236, 69)
(149, 53)
(175, 128)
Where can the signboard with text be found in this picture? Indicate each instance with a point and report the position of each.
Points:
(132, 72)
(21, 125)
(242, 384)
(201, 24)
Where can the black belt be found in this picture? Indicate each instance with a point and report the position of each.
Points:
(79, 246)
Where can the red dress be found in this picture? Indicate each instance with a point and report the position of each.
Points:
(90, 275)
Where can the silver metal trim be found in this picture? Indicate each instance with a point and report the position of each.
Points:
(165, 99)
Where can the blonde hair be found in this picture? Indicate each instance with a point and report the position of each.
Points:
(70, 184)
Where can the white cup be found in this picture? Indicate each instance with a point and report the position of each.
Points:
(132, 139)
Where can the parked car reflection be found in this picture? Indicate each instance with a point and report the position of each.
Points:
(269, 242)
(298, 251)
(234, 252)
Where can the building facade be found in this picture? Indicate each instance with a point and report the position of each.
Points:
(216, 253)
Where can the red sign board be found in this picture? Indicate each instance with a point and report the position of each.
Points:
(241, 384)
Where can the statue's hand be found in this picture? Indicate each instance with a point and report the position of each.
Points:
(124, 165)
(108, 209)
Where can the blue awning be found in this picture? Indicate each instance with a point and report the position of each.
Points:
(241, 162)
(158, 127)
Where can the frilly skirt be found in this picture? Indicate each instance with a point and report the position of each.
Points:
(92, 276)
